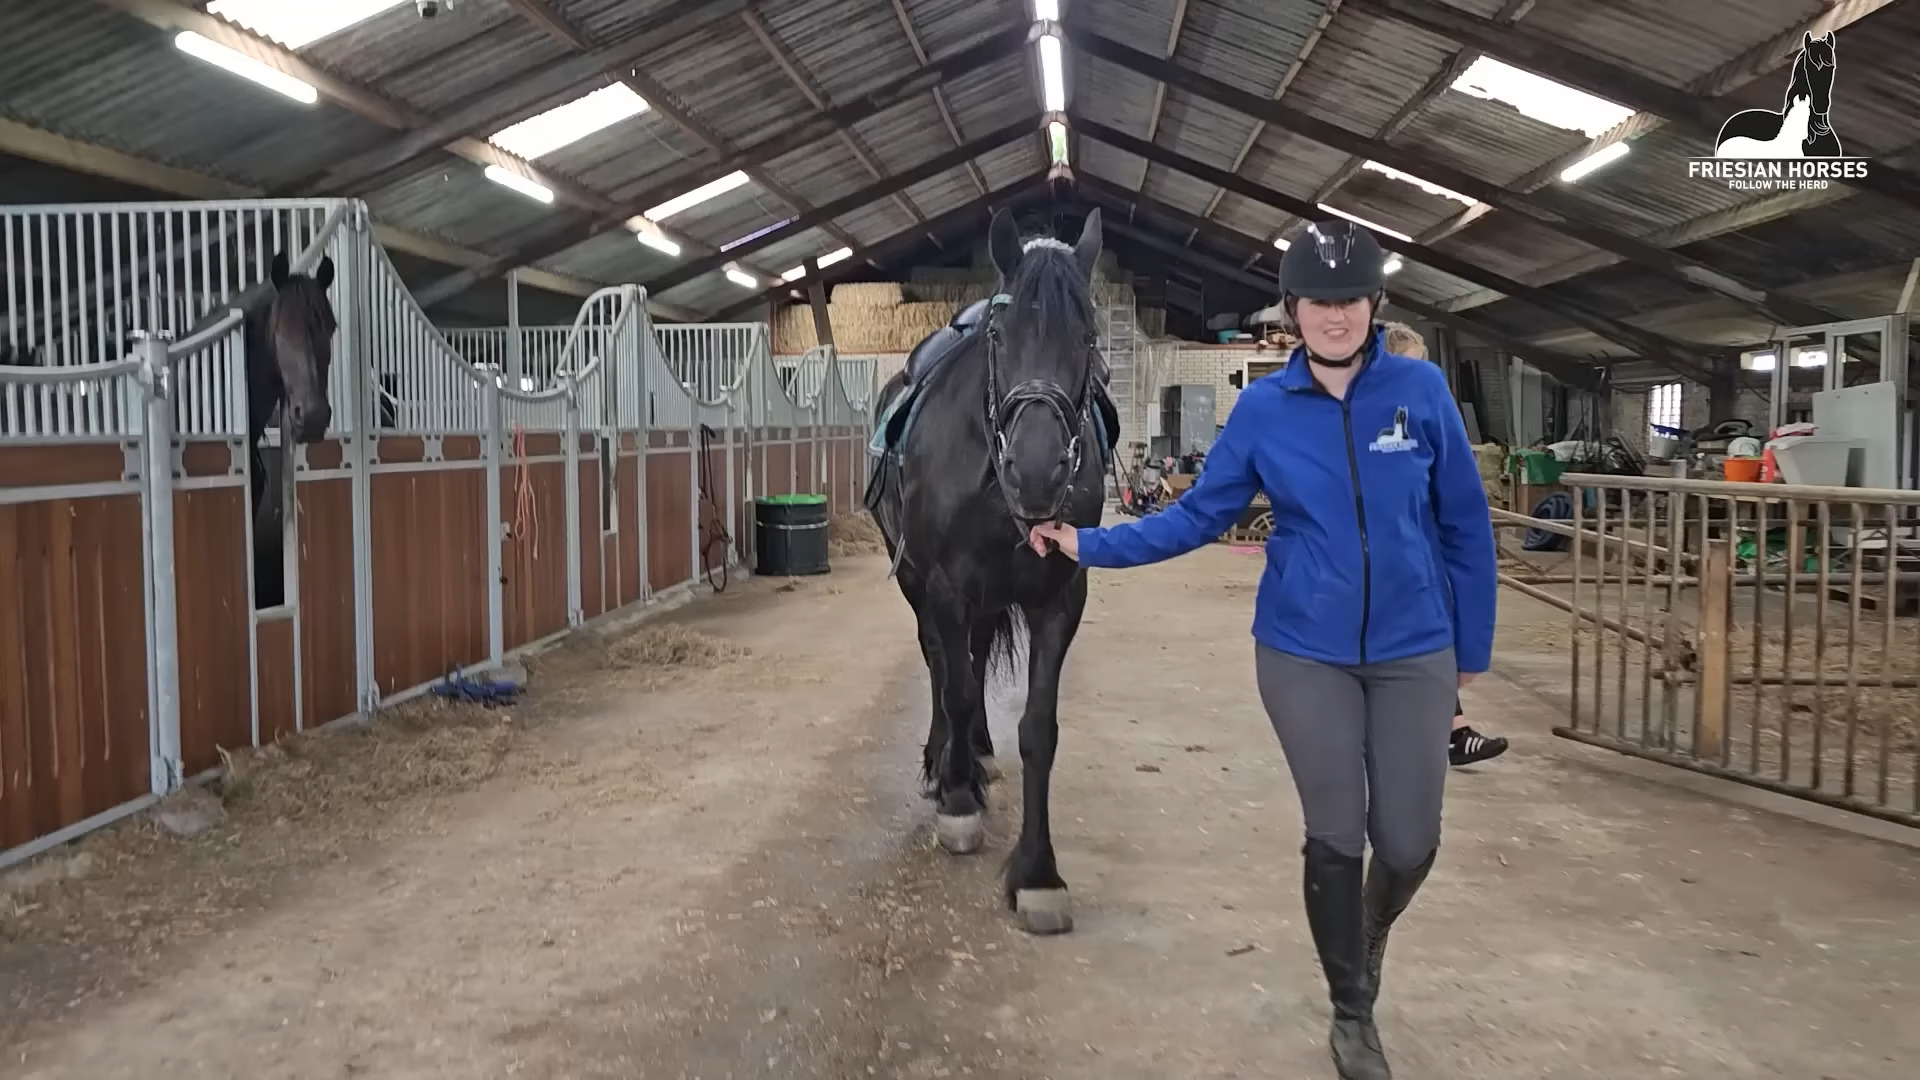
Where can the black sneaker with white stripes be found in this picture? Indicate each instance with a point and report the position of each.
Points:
(1468, 746)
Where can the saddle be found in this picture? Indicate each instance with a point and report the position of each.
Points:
(896, 414)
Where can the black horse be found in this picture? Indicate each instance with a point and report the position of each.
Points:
(1005, 435)
(1763, 133)
(288, 328)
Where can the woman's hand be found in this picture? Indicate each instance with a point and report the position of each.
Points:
(1465, 679)
(1062, 538)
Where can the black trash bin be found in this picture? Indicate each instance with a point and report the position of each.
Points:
(790, 535)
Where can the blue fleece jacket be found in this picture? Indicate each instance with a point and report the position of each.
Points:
(1381, 547)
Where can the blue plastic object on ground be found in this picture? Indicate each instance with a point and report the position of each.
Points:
(459, 686)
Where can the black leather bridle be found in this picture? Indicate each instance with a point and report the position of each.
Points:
(1070, 411)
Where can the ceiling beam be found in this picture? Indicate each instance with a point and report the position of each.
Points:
(903, 242)
(1768, 56)
(1293, 71)
(1179, 23)
(74, 155)
(1651, 346)
(1510, 12)
(1565, 220)
(1602, 78)
(940, 101)
(872, 193)
(803, 81)
(170, 14)
(556, 26)
(1562, 366)
(557, 239)
(546, 87)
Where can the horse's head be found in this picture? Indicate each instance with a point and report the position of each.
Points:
(1815, 65)
(301, 323)
(1041, 351)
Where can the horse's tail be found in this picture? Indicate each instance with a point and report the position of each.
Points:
(1009, 638)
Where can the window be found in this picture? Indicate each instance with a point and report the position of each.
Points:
(1810, 358)
(1762, 361)
(1543, 99)
(567, 124)
(1663, 408)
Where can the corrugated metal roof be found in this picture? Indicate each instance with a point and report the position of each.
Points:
(1674, 43)
(613, 257)
(634, 154)
(436, 65)
(1015, 161)
(457, 203)
(1364, 68)
(729, 83)
(996, 93)
(906, 135)
(1488, 139)
(820, 173)
(844, 48)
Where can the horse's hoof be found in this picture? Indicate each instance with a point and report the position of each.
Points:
(960, 835)
(1043, 911)
(990, 770)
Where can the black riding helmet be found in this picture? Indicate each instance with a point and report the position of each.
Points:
(1333, 260)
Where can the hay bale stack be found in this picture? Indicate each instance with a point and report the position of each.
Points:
(867, 294)
(862, 326)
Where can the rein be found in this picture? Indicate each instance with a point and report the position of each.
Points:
(1003, 410)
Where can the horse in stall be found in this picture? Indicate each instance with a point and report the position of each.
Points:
(1801, 129)
(288, 339)
(1009, 414)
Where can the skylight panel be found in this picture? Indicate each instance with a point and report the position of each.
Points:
(691, 199)
(297, 23)
(1427, 186)
(1358, 220)
(563, 125)
(1541, 98)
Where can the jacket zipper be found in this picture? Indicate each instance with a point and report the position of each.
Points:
(1360, 518)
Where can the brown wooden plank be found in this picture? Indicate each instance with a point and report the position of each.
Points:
(121, 658)
(204, 458)
(16, 763)
(587, 483)
(629, 507)
(63, 631)
(401, 449)
(328, 454)
(68, 463)
(328, 668)
(277, 687)
(214, 622)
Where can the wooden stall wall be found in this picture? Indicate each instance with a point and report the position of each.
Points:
(533, 559)
(276, 677)
(629, 577)
(669, 502)
(329, 671)
(73, 703)
(592, 530)
(215, 621)
(429, 559)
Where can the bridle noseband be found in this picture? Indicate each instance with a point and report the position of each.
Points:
(1002, 411)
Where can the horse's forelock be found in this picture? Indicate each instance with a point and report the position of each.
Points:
(1048, 287)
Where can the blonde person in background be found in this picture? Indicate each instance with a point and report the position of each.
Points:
(1465, 746)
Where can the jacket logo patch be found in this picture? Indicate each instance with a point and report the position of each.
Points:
(1394, 440)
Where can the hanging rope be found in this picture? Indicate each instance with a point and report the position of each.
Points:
(526, 523)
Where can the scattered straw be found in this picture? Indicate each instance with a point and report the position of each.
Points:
(853, 534)
(670, 646)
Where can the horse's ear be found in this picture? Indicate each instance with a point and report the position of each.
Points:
(1003, 243)
(1806, 39)
(1829, 38)
(324, 275)
(1087, 250)
(280, 269)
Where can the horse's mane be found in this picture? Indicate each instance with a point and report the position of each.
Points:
(1048, 285)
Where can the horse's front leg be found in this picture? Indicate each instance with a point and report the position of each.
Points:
(944, 640)
(981, 647)
(1035, 889)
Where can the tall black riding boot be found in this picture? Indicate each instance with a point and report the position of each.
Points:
(1335, 913)
(1389, 891)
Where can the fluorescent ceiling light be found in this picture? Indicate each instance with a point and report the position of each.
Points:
(1606, 155)
(1543, 99)
(1057, 143)
(1427, 186)
(562, 125)
(1764, 361)
(245, 66)
(1283, 243)
(649, 234)
(1357, 220)
(296, 23)
(832, 257)
(742, 278)
(1393, 265)
(697, 196)
(795, 274)
(1046, 10)
(507, 178)
(1053, 80)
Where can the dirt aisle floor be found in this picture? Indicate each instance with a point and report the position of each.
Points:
(723, 872)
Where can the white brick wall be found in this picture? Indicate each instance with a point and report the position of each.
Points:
(1212, 365)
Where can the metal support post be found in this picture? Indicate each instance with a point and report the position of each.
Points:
(156, 376)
